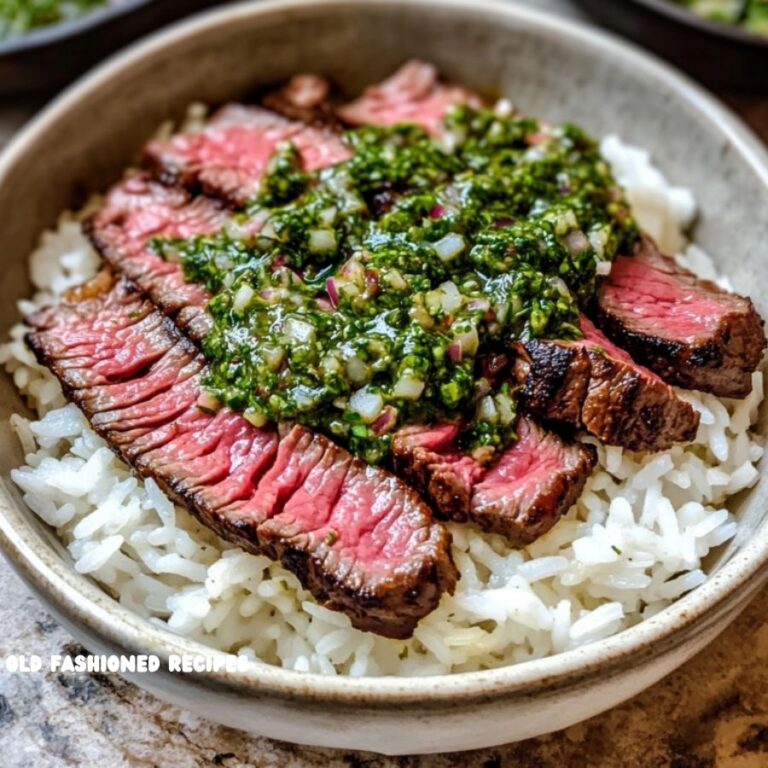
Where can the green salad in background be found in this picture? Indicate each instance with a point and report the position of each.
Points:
(20, 16)
(750, 14)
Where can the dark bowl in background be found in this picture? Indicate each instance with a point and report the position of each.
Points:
(45, 59)
(719, 55)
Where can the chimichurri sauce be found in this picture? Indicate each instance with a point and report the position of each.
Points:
(376, 290)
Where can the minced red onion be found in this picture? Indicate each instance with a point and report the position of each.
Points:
(449, 247)
(482, 304)
(450, 297)
(395, 279)
(357, 370)
(268, 230)
(537, 137)
(256, 221)
(576, 242)
(332, 291)
(469, 340)
(242, 297)
(352, 269)
(207, 402)
(367, 404)
(299, 330)
(321, 241)
(454, 351)
(487, 410)
(372, 280)
(408, 388)
(386, 421)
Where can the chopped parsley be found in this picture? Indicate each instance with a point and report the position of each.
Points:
(376, 290)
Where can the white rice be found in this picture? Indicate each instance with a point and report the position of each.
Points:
(634, 542)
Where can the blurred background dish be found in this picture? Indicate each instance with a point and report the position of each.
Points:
(750, 15)
(720, 54)
(45, 44)
(18, 17)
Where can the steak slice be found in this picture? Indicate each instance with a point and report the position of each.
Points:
(134, 211)
(592, 383)
(358, 539)
(520, 496)
(689, 331)
(427, 457)
(413, 94)
(305, 97)
(137, 209)
(228, 156)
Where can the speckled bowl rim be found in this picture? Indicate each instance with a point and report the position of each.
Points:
(81, 602)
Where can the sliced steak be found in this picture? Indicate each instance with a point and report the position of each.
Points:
(427, 457)
(520, 496)
(137, 209)
(689, 331)
(592, 383)
(413, 94)
(358, 539)
(228, 156)
(305, 97)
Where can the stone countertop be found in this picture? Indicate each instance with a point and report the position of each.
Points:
(711, 712)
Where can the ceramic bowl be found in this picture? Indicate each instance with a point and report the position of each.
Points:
(549, 67)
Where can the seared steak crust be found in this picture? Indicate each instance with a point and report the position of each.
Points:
(689, 331)
(520, 496)
(428, 459)
(356, 537)
(555, 378)
(595, 385)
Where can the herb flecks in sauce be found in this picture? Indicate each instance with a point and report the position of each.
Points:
(376, 290)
